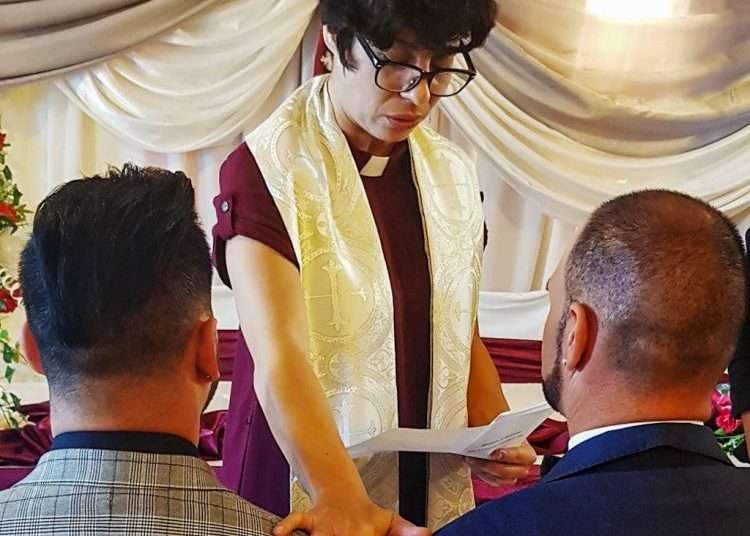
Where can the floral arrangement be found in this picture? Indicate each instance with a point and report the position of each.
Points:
(13, 214)
(727, 430)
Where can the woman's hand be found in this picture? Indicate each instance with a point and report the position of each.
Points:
(506, 467)
(348, 518)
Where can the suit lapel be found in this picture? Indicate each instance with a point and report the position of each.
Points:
(619, 444)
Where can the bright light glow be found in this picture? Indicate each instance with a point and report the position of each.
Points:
(637, 10)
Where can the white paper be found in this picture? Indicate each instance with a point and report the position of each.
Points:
(507, 430)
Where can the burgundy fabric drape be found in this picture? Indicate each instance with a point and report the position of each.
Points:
(517, 361)
(228, 340)
(24, 447)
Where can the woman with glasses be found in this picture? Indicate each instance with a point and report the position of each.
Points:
(352, 236)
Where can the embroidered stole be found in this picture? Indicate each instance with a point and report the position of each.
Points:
(313, 178)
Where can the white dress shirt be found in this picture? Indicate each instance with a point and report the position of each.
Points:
(579, 438)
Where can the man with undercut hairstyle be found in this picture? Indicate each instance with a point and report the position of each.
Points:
(645, 313)
(116, 280)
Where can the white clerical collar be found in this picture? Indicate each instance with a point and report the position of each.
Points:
(595, 432)
(375, 166)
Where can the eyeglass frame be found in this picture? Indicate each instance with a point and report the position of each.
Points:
(379, 63)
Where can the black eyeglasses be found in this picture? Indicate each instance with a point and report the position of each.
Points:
(399, 77)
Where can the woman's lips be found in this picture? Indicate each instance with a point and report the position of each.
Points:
(404, 121)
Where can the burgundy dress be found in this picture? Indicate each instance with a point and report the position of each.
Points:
(253, 463)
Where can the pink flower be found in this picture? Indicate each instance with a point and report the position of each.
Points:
(726, 422)
(722, 403)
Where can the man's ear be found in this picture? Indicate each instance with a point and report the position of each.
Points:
(207, 359)
(30, 349)
(581, 334)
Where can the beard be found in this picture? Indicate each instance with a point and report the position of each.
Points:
(210, 396)
(552, 384)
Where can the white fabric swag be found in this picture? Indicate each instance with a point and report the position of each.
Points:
(645, 88)
(569, 147)
(44, 38)
(199, 85)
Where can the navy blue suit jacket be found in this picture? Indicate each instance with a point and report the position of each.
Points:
(658, 479)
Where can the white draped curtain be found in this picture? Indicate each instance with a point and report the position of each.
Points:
(201, 85)
(42, 38)
(571, 108)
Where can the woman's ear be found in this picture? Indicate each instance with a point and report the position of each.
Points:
(329, 38)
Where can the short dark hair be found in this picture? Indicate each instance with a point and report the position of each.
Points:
(665, 275)
(437, 24)
(115, 274)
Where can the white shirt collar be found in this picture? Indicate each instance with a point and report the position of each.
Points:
(579, 438)
(375, 167)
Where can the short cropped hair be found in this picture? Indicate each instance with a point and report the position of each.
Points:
(665, 275)
(115, 274)
(445, 26)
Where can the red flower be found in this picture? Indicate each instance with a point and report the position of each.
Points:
(2, 139)
(7, 212)
(722, 403)
(726, 422)
(8, 303)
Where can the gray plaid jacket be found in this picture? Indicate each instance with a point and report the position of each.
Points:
(76, 492)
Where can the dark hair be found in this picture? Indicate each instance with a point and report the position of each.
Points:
(115, 274)
(438, 25)
(665, 275)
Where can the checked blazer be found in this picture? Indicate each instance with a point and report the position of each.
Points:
(84, 491)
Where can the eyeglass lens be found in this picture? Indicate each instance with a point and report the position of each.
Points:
(399, 78)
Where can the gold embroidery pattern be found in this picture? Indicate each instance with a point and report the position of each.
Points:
(314, 181)
(452, 212)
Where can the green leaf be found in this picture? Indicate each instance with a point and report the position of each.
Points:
(9, 354)
(7, 173)
(15, 400)
(17, 195)
(9, 372)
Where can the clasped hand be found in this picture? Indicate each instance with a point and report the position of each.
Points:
(506, 466)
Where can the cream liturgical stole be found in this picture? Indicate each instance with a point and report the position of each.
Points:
(313, 178)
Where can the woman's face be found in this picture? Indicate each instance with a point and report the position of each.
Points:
(371, 116)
